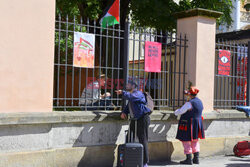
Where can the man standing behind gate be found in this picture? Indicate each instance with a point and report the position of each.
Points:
(136, 109)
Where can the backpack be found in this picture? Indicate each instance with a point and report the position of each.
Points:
(242, 148)
(150, 102)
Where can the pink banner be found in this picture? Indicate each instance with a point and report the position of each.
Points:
(152, 56)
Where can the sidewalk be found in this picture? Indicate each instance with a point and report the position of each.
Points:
(218, 161)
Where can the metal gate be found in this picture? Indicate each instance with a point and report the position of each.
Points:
(119, 56)
(231, 90)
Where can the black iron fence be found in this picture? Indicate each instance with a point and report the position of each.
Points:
(231, 70)
(119, 56)
(166, 87)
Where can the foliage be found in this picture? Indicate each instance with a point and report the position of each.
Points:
(86, 8)
(224, 6)
(150, 13)
(155, 14)
(159, 14)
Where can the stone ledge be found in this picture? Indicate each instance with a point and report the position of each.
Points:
(198, 12)
(225, 114)
(99, 116)
(107, 154)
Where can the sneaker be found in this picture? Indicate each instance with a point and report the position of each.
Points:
(146, 165)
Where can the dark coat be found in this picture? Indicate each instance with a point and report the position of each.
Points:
(190, 124)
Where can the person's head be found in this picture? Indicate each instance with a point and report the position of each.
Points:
(193, 91)
(101, 80)
(131, 85)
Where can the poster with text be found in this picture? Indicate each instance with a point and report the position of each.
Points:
(84, 50)
(224, 62)
(152, 56)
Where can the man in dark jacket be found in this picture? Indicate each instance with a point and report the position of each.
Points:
(136, 109)
(190, 127)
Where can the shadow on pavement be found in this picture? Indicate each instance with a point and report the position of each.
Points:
(240, 159)
(163, 163)
(238, 165)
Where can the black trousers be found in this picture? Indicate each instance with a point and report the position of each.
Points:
(142, 134)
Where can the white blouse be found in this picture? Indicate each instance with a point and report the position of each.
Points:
(187, 106)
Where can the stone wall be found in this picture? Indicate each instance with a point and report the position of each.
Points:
(82, 138)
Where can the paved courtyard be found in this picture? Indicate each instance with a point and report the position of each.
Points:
(218, 161)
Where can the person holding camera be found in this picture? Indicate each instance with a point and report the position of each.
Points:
(137, 109)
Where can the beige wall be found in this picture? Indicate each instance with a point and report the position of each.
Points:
(200, 33)
(26, 55)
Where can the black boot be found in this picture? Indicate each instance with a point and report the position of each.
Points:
(188, 160)
(196, 158)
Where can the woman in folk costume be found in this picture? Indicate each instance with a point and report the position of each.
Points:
(190, 126)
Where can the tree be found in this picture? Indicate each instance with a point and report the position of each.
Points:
(150, 13)
(92, 9)
(159, 14)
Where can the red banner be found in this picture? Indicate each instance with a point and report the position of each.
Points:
(241, 92)
(152, 56)
(224, 62)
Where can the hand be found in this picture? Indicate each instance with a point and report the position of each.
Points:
(118, 92)
(123, 116)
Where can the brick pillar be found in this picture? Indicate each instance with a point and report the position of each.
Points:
(26, 55)
(200, 27)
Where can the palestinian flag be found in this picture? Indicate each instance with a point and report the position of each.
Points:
(112, 15)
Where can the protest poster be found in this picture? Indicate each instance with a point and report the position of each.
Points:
(84, 50)
(224, 63)
(152, 56)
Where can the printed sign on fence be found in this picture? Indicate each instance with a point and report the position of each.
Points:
(84, 50)
(224, 62)
(152, 56)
